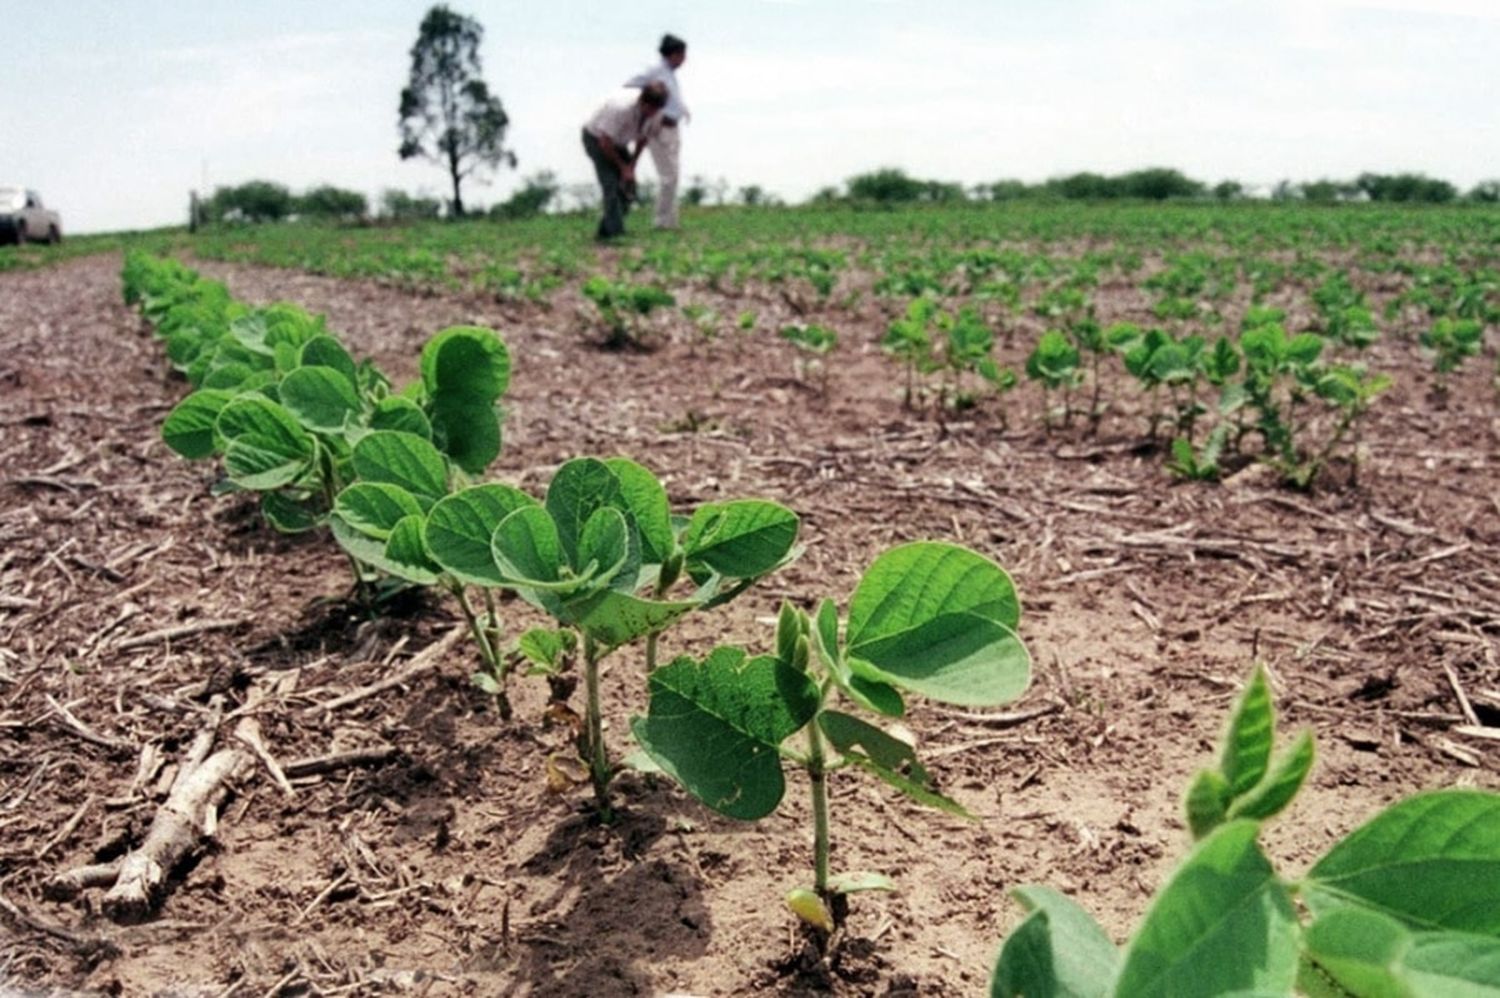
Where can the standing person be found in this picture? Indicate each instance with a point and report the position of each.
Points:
(623, 119)
(665, 140)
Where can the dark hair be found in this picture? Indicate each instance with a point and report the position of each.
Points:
(671, 45)
(654, 94)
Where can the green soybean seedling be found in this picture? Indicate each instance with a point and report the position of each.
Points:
(814, 342)
(623, 307)
(1054, 364)
(927, 618)
(1403, 906)
(604, 556)
(909, 340)
(1451, 341)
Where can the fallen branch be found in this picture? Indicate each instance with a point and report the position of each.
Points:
(339, 760)
(85, 732)
(182, 631)
(189, 814)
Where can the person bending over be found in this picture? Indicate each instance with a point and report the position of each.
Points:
(622, 122)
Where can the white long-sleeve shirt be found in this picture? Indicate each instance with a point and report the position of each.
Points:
(662, 72)
(621, 118)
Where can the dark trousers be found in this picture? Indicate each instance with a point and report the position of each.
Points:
(611, 187)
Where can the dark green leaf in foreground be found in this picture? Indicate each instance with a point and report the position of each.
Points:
(1224, 923)
(265, 447)
(466, 361)
(403, 459)
(406, 555)
(374, 508)
(1431, 861)
(320, 397)
(646, 502)
(1280, 784)
(468, 430)
(288, 515)
(579, 488)
(740, 539)
(325, 351)
(1247, 746)
(614, 618)
(716, 726)
(607, 545)
(914, 583)
(528, 552)
(1370, 954)
(887, 757)
(957, 658)
(459, 528)
(1059, 951)
(189, 427)
(396, 413)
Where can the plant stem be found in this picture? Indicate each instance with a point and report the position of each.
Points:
(818, 776)
(488, 647)
(598, 759)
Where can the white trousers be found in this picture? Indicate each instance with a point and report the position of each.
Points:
(663, 147)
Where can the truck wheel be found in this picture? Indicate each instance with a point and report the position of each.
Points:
(21, 234)
(53, 236)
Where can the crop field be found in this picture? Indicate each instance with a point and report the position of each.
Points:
(803, 603)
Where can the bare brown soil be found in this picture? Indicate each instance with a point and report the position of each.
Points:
(129, 598)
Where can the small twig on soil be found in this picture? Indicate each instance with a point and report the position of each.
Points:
(1463, 699)
(323, 895)
(85, 732)
(1009, 719)
(339, 760)
(182, 631)
(421, 662)
(67, 829)
(1478, 731)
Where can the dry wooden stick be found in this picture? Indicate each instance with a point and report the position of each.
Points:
(83, 731)
(338, 760)
(181, 631)
(1463, 699)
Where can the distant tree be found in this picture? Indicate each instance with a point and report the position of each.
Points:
(696, 192)
(253, 201)
(1405, 187)
(1485, 192)
(447, 113)
(826, 196)
(1084, 187)
(1229, 190)
(1285, 190)
(885, 186)
(334, 203)
(752, 195)
(536, 193)
(1323, 191)
(1003, 190)
(400, 206)
(1157, 183)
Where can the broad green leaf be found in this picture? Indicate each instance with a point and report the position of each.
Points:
(847, 733)
(396, 413)
(527, 551)
(1223, 923)
(460, 526)
(957, 658)
(189, 427)
(1207, 803)
(1432, 861)
(716, 726)
(607, 545)
(265, 447)
(403, 459)
(325, 351)
(288, 515)
(374, 508)
(865, 689)
(231, 375)
(1454, 965)
(614, 618)
(466, 361)
(645, 500)
(914, 583)
(1276, 790)
(580, 487)
(546, 647)
(468, 431)
(320, 397)
(1059, 951)
(1247, 744)
(405, 554)
(740, 539)
(1361, 951)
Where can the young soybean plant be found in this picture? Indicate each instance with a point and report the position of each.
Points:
(602, 555)
(932, 619)
(1404, 906)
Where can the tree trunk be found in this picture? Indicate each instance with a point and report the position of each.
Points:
(458, 201)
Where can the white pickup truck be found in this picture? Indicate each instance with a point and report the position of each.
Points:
(24, 219)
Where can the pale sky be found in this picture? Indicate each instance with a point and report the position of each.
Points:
(114, 109)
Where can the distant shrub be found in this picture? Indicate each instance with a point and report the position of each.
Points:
(536, 194)
(399, 206)
(253, 201)
(334, 203)
(1405, 187)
